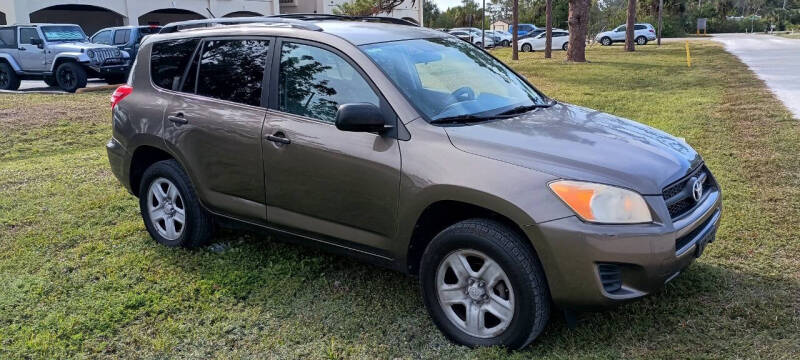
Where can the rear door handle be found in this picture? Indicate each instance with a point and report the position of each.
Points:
(279, 138)
(178, 119)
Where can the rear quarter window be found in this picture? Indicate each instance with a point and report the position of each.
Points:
(8, 38)
(121, 37)
(168, 61)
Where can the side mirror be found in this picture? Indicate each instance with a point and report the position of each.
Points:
(38, 42)
(360, 117)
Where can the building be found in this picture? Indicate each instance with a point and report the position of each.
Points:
(93, 15)
(409, 9)
(500, 26)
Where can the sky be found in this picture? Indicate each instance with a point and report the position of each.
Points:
(444, 4)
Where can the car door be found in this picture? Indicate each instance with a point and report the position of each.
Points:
(214, 120)
(30, 57)
(619, 33)
(122, 40)
(319, 179)
(104, 37)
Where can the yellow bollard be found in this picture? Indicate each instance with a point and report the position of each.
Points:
(688, 55)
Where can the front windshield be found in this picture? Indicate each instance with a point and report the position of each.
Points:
(448, 77)
(63, 33)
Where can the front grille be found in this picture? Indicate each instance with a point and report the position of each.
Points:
(610, 277)
(678, 195)
(102, 55)
(681, 242)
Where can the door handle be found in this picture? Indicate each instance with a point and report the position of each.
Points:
(22, 49)
(178, 119)
(279, 138)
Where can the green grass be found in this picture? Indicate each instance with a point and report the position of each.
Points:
(82, 279)
(787, 35)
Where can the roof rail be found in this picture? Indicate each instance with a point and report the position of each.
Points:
(205, 23)
(378, 19)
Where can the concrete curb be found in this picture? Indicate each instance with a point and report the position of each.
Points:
(56, 92)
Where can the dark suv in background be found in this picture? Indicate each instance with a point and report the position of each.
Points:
(125, 38)
(414, 150)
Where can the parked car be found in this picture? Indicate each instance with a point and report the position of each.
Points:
(474, 38)
(560, 40)
(642, 33)
(504, 201)
(523, 29)
(502, 38)
(59, 54)
(531, 34)
(125, 38)
(478, 33)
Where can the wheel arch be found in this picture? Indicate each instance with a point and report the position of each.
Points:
(64, 57)
(142, 158)
(7, 58)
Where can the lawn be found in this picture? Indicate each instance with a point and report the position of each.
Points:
(82, 279)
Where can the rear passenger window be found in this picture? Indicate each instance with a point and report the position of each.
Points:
(313, 82)
(121, 37)
(639, 27)
(233, 70)
(7, 38)
(168, 61)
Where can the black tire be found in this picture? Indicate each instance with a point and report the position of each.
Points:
(116, 79)
(641, 40)
(527, 47)
(198, 227)
(516, 257)
(606, 41)
(565, 46)
(8, 78)
(51, 81)
(71, 77)
(505, 43)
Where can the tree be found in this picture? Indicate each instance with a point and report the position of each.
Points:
(578, 21)
(515, 30)
(629, 27)
(368, 7)
(548, 41)
(430, 12)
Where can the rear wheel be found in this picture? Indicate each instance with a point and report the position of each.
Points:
(171, 211)
(8, 78)
(606, 41)
(505, 43)
(641, 40)
(71, 76)
(527, 47)
(565, 46)
(483, 285)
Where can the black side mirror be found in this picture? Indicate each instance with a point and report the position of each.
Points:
(38, 42)
(360, 117)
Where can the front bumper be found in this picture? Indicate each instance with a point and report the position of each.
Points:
(592, 266)
(111, 66)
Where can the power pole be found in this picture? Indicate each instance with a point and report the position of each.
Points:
(660, 6)
(515, 30)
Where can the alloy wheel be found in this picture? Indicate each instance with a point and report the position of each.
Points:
(4, 79)
(166, 208)
(475, 293)
(67, 78)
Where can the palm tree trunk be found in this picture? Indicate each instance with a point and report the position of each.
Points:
(629, 27)
(578, 27)
(548, 42)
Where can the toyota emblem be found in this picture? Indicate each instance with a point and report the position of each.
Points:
(697, 190)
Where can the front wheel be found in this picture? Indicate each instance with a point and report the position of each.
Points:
(565, 46)
(171, 211)
(51, 81)
(71, 77)
(527, 48)
(606, 41)
(483, 285)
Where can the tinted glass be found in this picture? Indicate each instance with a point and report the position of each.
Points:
(233, 70)
(7, 38)
(190, 81)
(169, 60)
(313, 82)
(448, 78)
(103, 37)
(144, 31)
(121, 37)
(26, 34)
(639, 27)
(63, 33)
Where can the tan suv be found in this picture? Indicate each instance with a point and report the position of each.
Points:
(414, 150)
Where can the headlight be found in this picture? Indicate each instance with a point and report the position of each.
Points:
(117, 53)
(602, 203)
(90, 54)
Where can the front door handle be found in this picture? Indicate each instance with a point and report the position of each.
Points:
(178, 119)
(22, 49)
(279, 138)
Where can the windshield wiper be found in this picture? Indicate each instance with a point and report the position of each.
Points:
(525, 108)
(461, 119)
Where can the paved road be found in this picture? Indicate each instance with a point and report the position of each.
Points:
(774, 59)
(31, 85)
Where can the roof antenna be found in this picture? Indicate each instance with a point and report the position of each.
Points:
(210, 13)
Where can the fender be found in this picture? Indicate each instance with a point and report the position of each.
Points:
(74, 55)
(11, 61)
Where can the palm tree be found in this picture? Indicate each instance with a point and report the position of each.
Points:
(515, 30)
(629, 27)
(548, 41)
(578, 27)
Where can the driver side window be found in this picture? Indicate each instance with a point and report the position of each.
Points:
(103, 37)
(27, 34)
(313, 82)
(621, 29)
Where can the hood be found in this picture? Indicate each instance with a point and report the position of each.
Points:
(77, 46)
(577, 143)
(604, 33)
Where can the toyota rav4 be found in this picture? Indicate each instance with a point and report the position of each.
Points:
(412, 149)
